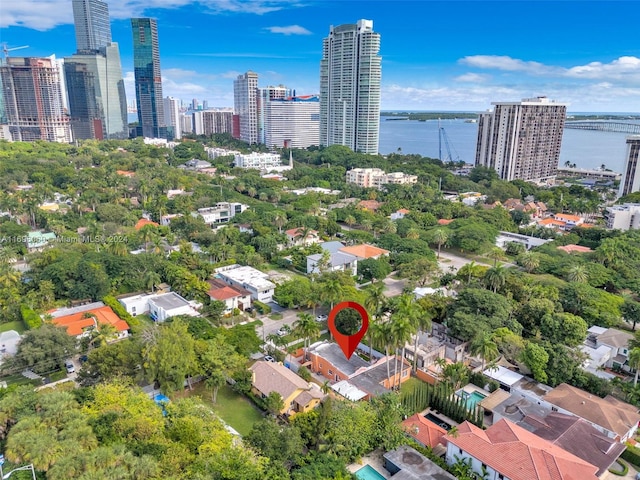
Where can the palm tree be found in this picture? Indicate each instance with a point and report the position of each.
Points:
(402, 328)
(634, 362)
(151, 279)
(578, 273)
(496, 277)
(413, 234)
(325, 387)
(496, 253)
(382, 334)
(350, 220)
(440, 237)
(331, 290)
(307, 327)
(279, 220)
(529, 261)
(374, 302)
(483, 346)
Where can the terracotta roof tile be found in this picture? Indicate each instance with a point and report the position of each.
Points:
(519, 454)
(575, 248)
(364, 251)
(424, 431)
(444, 221)
(76, 323)
(142, 222)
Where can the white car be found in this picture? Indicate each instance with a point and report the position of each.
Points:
(282, 332)
(321, 318)
(70, 366)
(269, 358)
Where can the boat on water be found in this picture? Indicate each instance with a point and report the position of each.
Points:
(471, 120)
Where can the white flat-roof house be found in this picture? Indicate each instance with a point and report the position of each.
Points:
(250, 279)
(220, 213)
(159, 306)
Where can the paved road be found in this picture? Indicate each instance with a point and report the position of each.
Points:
(289, 317)
(450, 262)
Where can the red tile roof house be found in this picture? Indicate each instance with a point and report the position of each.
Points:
(509, 452)
(424, 431)
(81, 321)
(232, 297)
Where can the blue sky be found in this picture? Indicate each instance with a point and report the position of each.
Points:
(454, 55)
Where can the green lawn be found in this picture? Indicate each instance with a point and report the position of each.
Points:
(410, 385)
(17, 325)
(235, 409)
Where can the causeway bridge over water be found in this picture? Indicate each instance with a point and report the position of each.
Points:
(605, 126)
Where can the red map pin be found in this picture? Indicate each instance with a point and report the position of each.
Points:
(348, 343)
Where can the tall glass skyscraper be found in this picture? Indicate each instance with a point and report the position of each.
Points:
(91, 19)
(97, 99)
(350, 73)
(146, 61)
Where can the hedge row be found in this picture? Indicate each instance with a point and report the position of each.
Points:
(30, 318)
(632, 455)
(262, 308)
(120, 311)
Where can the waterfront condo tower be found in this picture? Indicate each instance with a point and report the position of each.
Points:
(350, 73)
(148, 80)
(521, 140)
(292, 122)
(245, 103)
(97, 99)
(34, 100)
(630, 181)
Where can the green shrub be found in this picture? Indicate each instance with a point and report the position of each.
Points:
(620, 473)
(305, 374)
(262, 308)
(120, 311)
(30, 318)
(632, 455)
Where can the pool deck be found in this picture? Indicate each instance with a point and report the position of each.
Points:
(375, 460)
(470, 388)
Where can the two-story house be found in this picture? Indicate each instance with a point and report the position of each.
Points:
(297, 395)
(249, 279)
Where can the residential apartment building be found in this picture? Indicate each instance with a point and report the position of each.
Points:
(208, 122)
(220, 213)
(292, 122)
(521, 140)
(260, 161)
(172, 117)
(377, 178)
(159, 306)
(250, 279)
(34, 99)
(623, 217)
(265, 96)
(350, 73)
(245, 99)
(148, 79)
(630, 181)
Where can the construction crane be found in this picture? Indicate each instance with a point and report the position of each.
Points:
(6, 50)
(442, 137)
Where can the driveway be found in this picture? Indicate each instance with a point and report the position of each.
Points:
(631, 474)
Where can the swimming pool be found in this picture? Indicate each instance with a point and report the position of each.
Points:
(471, 399)
(368, 473)
(432, 418)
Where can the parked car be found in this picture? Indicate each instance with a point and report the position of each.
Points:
(269, 358)
(69, 366)
(282, 332)
(83, 359)
(321, 318)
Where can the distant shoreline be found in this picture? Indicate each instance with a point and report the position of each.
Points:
(421, 115)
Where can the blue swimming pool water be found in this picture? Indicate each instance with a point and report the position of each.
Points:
(471, 399)
(369, 473)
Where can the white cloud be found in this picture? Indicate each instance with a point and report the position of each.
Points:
(290, 30)
(473, 78)
(46, 14)
(622, 69)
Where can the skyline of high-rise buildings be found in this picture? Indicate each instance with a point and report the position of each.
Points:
(522, 140)
(148, 78)
(350, 75)
(91, 23)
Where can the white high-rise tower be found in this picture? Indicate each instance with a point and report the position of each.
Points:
(521, 140)
(245, 93)
(350, 73)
